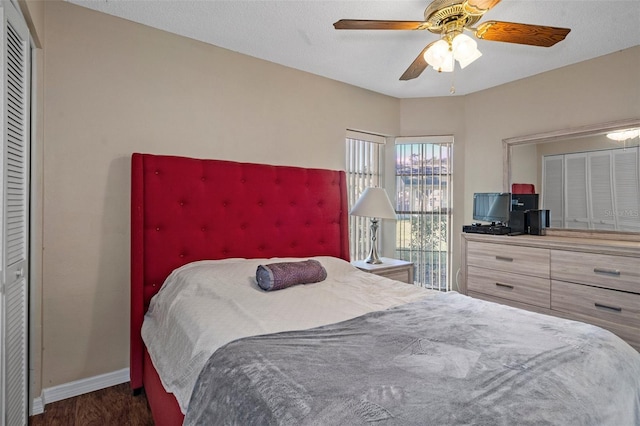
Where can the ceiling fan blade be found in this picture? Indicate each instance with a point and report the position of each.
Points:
(365, 24)
(510, 32)
(417, 66)
(479, 7)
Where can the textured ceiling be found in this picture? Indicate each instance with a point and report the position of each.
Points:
(299, 34)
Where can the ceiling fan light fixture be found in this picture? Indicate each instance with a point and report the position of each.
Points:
(441, 54)
(437, 54)
(447, 63)
(465, 50)
(623, 135)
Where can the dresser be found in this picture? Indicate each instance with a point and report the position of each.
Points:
(586, 279)
(396, 269)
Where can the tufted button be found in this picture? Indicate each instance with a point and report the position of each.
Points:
(182, 203)
(157, 172)
(203, 178)
(225, 251)
(320, 203)
(243, 180)
(182, 255)
(154, 285)
(243, 226)
(260, 203)
(157, 228)
(203, 229)
(225, 204)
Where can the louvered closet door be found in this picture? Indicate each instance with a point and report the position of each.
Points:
(15, 129)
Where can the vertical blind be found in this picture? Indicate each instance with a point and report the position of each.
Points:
(364, 165)
(423, 205)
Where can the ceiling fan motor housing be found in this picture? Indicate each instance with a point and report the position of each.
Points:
(445, 14)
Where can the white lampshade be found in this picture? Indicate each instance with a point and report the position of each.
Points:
(374, 202)
(465, 50)
(439, 56)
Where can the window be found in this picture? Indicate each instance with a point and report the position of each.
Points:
(423, 205)
(364, 168)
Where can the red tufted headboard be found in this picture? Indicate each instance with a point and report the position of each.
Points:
(186, 209)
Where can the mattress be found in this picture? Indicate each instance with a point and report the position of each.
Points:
(204, 305)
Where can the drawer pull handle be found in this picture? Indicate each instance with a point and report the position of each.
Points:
(505, 286)
(611, 308)
(506, 259)
(606, 271)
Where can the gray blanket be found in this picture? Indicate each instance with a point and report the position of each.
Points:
(448, 360)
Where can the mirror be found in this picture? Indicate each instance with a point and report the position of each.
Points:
(584, 157)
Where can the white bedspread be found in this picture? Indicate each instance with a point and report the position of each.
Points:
(205, 305)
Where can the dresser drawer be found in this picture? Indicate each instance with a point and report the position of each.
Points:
(602, 270)
(520, 288)
(609, 305)
(516, 259)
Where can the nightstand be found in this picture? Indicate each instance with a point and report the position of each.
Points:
(399, 270)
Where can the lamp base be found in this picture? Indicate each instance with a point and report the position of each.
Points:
(373, 257)
(374, 260)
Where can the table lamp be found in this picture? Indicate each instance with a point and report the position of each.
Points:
(374, 203)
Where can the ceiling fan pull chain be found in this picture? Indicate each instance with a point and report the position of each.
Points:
(452, 89)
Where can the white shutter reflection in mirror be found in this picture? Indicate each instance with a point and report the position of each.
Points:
(553, 189)
(626, 168)
(600, 185)
(575, 195)
(600, 189)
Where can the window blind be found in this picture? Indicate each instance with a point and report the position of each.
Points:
(423, 204)
(364, 153)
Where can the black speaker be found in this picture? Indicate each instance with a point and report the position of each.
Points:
(538, 221)
(517, 222)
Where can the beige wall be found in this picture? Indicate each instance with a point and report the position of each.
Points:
(111, 87)
(33, 12)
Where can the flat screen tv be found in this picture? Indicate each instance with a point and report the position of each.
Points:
(491, 206)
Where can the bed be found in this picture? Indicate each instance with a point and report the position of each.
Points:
(352, 349)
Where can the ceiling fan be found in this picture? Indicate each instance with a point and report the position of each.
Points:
(450, 18)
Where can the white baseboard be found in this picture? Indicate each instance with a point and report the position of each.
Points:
(78, 387)
(37, 407)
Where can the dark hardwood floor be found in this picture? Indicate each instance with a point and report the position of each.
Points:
(112, 406)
